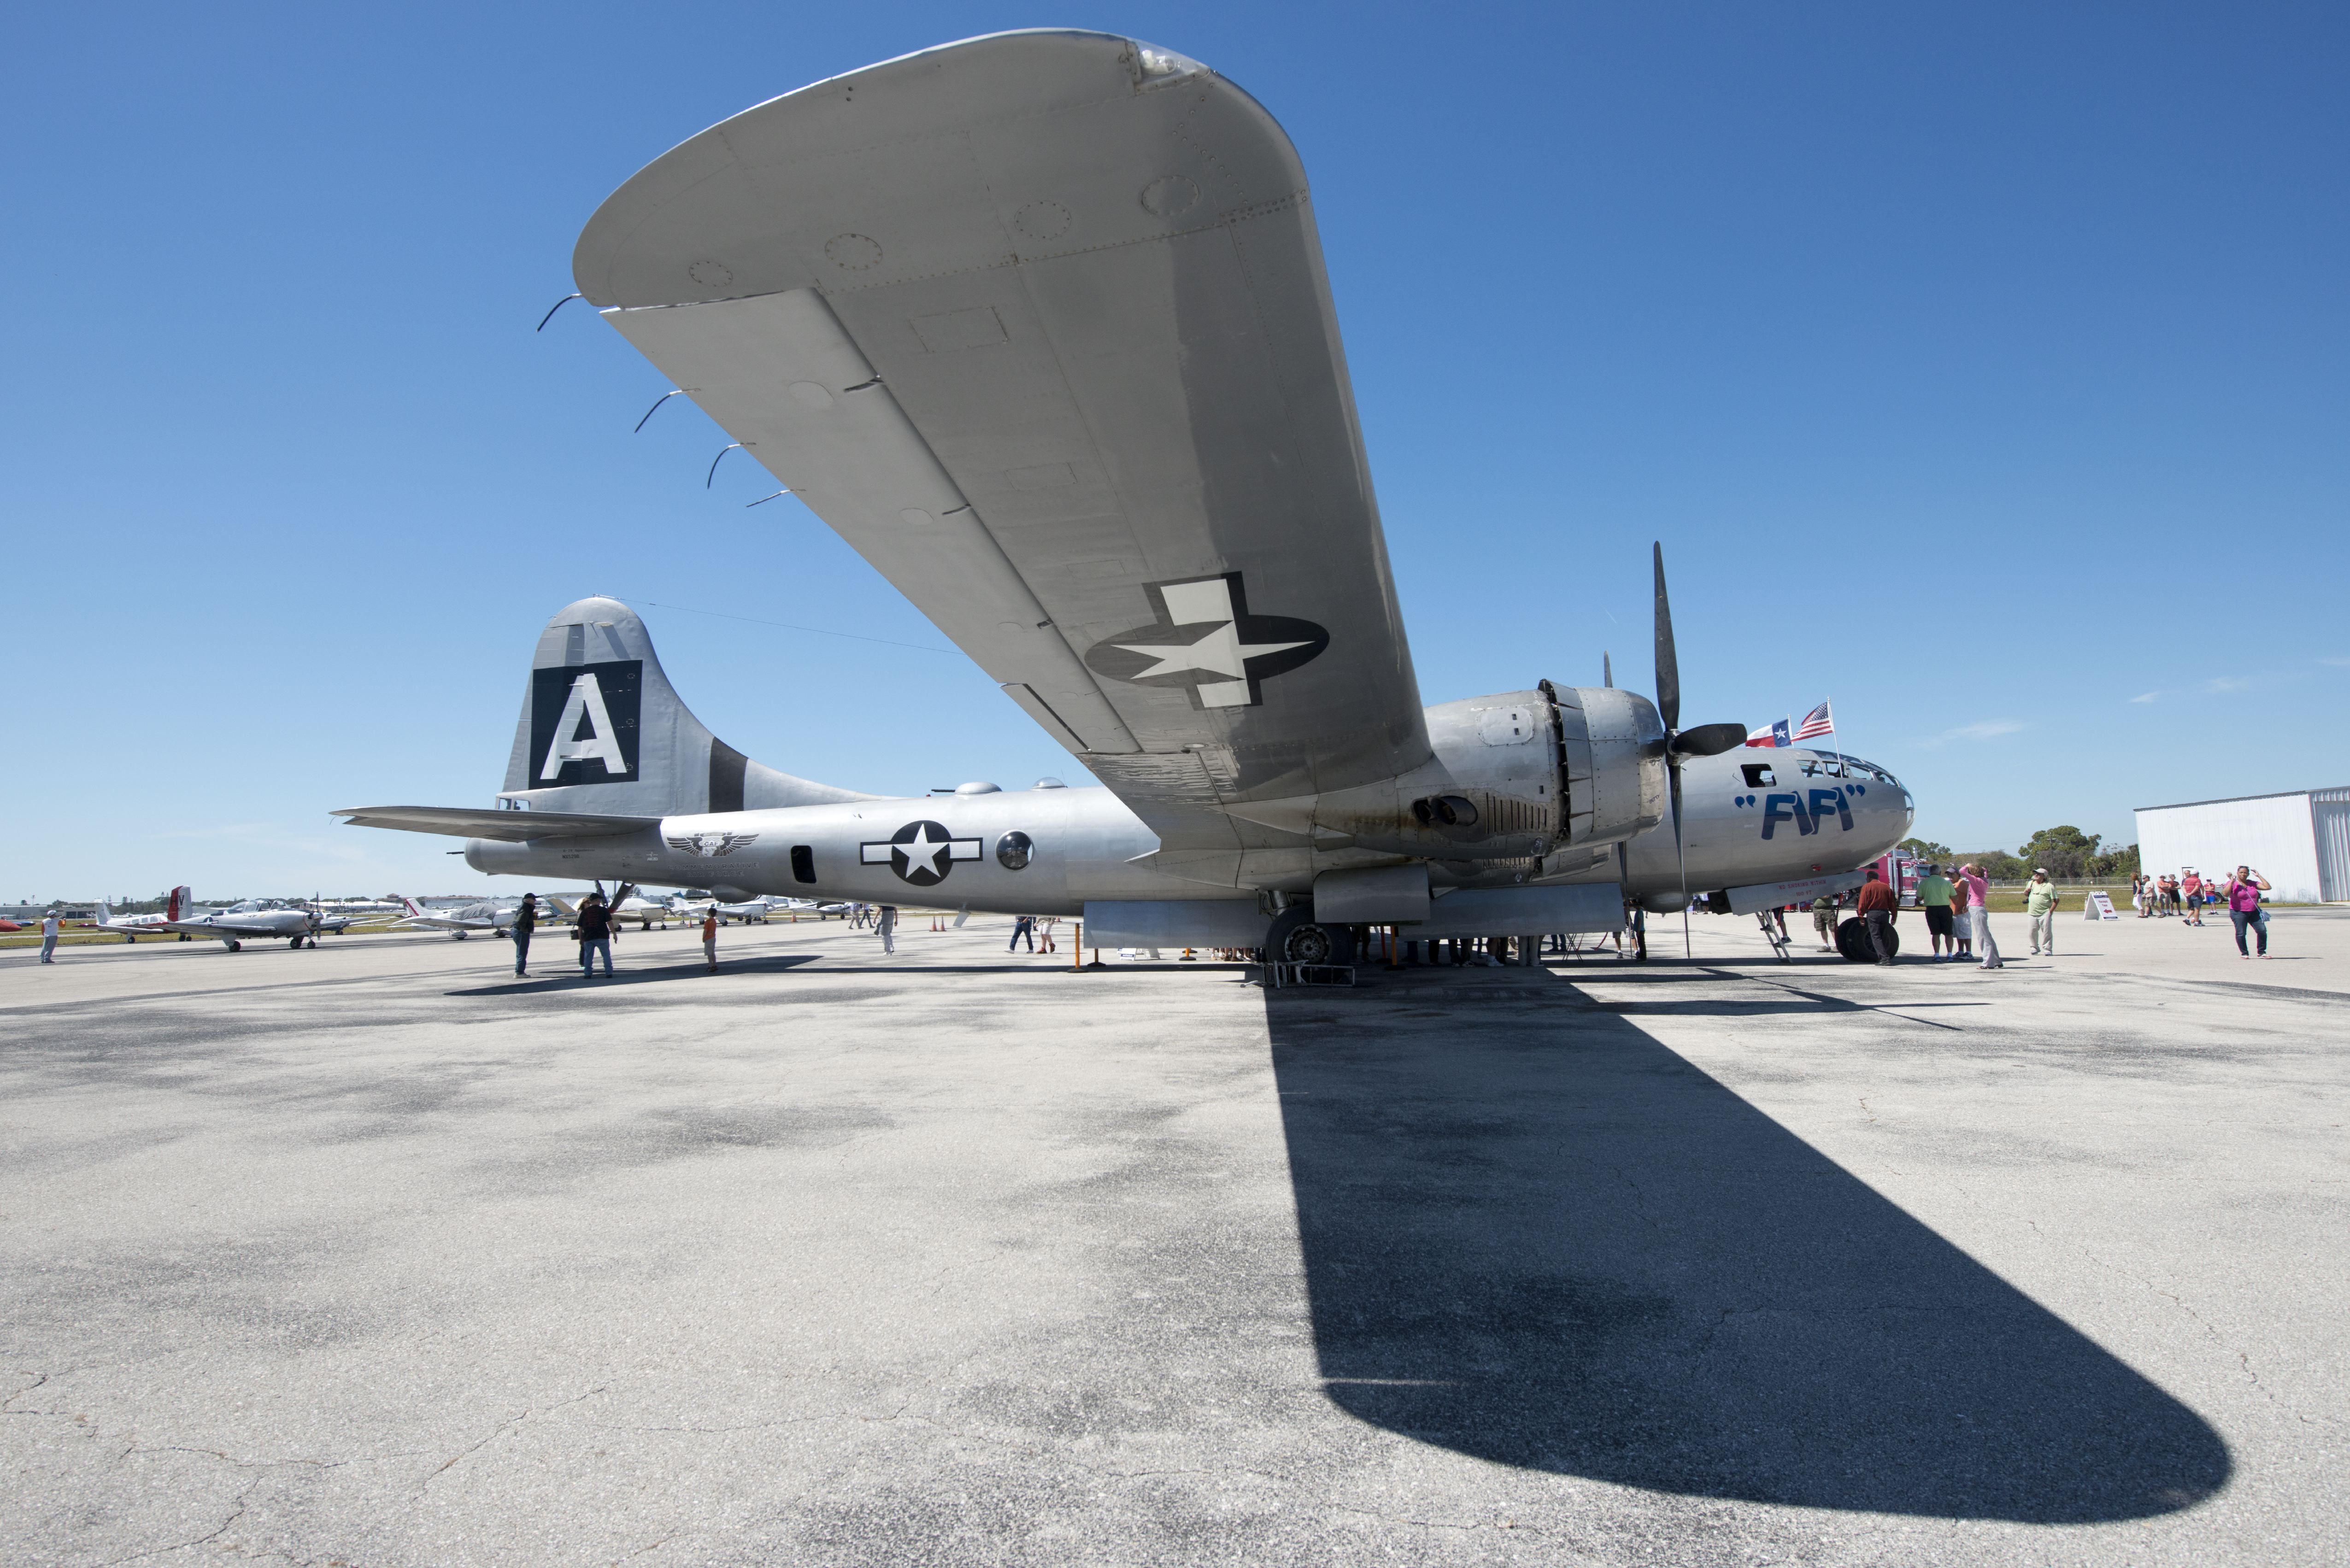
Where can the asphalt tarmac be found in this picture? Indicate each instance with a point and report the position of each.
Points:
(373, 1255)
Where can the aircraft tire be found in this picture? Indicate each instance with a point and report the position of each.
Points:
(236, 947)
(1852, 941)
(459, 935)
(1297, 937)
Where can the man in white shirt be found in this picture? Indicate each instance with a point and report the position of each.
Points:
(48, 936)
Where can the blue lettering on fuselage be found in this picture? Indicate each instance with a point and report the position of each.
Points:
(1825, 800)
(1772, 814)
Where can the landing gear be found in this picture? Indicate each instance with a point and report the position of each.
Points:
(1296, 938)
(1640, 936)
(234, 946)
(457, 936)
(296, 944)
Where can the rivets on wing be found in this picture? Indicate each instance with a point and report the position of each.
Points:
(853, 252)
(1042, 219)
(710, 274)
(1170, 196)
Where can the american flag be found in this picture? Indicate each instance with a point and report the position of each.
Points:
(1818, 721)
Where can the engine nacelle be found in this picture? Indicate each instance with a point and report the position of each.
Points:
(1516, 776)
(1612, 746)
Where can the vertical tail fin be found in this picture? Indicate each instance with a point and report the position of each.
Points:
(105, 913)
(183, 899)
(415, 909)
(602, 730)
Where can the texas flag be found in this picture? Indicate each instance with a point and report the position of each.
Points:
(1818, 721)
(1776, 735)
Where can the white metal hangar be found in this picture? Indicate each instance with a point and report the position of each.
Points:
(2300, 841)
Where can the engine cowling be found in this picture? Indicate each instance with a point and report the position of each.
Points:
(1516, 775)
(1612, 754)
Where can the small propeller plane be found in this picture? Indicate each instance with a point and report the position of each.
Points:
(486, 915)
(255, 918)
(134, 927)
(1039, 324)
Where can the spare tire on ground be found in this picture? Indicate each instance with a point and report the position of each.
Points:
(1852, 941)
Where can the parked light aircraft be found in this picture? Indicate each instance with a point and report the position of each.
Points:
(1039, 324)
(134, 927)
(484, 915)
(253, 918)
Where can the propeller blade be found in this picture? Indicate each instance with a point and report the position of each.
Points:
(1668, 667)
(1709, 740)
(1607, 671)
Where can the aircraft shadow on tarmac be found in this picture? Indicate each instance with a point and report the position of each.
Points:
(1543, 1239)
(566, 976)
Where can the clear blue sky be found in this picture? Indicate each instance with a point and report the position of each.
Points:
(1982, 368)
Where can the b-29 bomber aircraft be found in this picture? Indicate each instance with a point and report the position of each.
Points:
(1038, 323)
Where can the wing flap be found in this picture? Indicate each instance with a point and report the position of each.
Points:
(785, 380)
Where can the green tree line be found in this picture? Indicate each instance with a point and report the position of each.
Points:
(2068, 854)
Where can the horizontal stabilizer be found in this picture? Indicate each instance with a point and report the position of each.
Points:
(513, 827)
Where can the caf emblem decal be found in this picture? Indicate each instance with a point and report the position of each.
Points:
(1206, 641)
(921, 853)
(711, 844)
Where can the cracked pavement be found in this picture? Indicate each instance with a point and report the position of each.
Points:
(369, 1256)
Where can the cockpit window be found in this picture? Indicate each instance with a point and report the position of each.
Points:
(1844, 767)
(1759, 776)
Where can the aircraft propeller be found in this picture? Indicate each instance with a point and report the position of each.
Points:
(1704, 741)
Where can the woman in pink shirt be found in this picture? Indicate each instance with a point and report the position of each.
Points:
(2243, 892)
(2193, 886)
(1970, 879)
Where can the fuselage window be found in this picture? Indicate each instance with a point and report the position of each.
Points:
(1760, 776)
(803, 863)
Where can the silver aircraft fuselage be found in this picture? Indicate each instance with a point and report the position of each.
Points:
(1804, 813)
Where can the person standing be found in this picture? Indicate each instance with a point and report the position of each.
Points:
(595, 936)
(886, 924)
(2040, 903)
(1048, 923)
(1962, 925)
(710, 938)
(1824, 921)
(2243, 892)
(49, 937)
(2192, 885)
(525, 922)
(1877, 907)
(2142, 894)
(1022, 927)
(1934, 897)
(1971, 876)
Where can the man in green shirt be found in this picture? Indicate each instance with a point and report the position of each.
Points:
(1934, 897)
(2040, 903)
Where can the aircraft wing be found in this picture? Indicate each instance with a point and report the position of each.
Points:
(1038, 323)
(512, 826)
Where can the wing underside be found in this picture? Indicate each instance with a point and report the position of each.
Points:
(1039, 324)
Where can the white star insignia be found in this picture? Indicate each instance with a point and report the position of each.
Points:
(932, 850)
(1220, 653)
